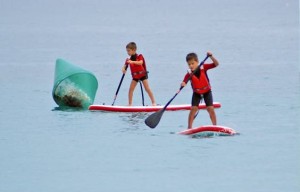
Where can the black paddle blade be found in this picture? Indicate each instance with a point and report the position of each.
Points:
(153, 119)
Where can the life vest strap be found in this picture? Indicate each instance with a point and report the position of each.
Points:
(201, 89)
(139, 72)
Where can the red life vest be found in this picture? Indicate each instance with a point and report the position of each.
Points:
(200, 85)
(138, 71)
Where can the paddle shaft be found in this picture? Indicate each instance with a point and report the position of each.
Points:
(119, 85)
(142, 93)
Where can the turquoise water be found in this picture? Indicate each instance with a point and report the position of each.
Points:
(257, 82)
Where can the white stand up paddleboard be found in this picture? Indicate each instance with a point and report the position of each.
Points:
(209, 131)
(146, 108)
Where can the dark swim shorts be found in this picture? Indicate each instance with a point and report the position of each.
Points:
(208, 98)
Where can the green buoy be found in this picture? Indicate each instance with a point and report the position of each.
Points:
(73, 86)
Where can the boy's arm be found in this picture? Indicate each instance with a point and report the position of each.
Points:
(215, 61)
(136, 62)
(184, 81)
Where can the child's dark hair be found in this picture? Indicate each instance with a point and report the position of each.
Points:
(131, 45)
(191, 56)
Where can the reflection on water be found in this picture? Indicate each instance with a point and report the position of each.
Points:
(208, 134)
(68, 109)
(134, 120)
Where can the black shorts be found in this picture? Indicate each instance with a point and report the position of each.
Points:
(208, 99)
(141, 79)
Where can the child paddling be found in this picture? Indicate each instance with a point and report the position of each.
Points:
(200, 85)
(138, 69)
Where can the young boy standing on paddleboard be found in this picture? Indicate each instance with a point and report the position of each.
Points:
(139, 72)
(200, 85)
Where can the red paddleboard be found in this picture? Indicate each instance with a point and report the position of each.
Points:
(209, 131)
(146, 108)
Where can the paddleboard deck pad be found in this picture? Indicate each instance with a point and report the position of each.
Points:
(209, 131)
(115, 108)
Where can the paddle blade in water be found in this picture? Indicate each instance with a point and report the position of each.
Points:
(153, 119)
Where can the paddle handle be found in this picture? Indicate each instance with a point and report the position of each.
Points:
(119, 85)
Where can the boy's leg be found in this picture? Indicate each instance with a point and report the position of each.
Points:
(193, 111)
(208, 98)
(212, 114)
(130, 93)
(196, 98)
(148, 90)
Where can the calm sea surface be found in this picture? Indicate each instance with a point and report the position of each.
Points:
(257, 82)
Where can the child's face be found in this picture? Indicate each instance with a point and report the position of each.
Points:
(193, 64)
(130, 52)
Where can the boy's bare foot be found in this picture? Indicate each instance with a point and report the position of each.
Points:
(153, 104)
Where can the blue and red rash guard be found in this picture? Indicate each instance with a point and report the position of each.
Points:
(199, 80)
(137, 71)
